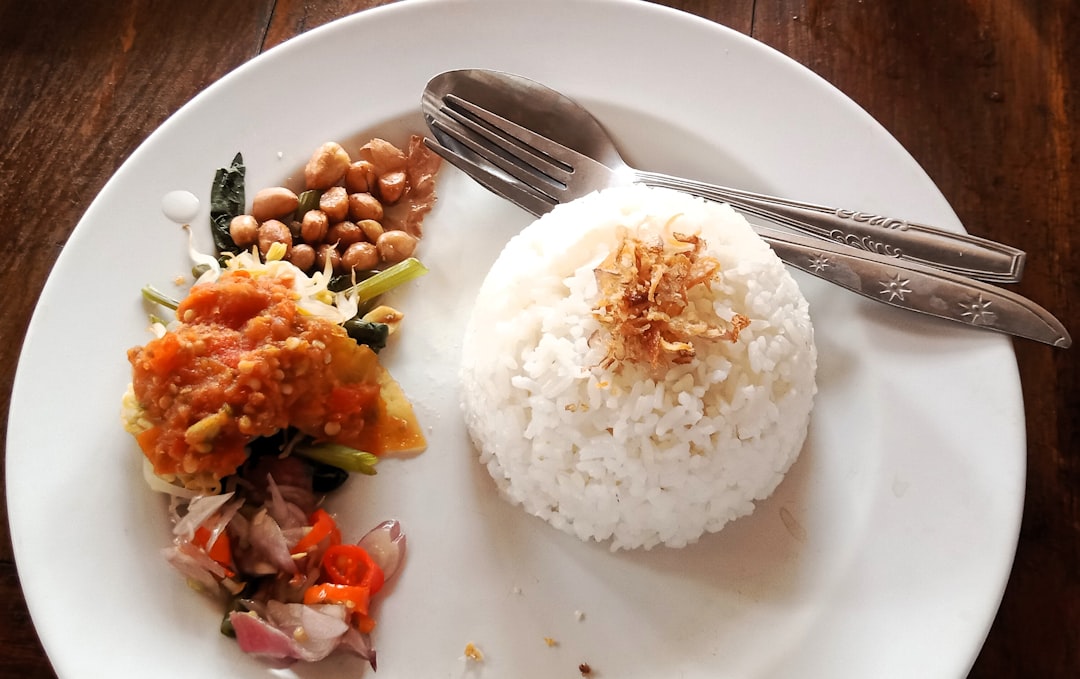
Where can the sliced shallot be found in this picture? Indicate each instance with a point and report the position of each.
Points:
(292, 632)
(195, 565)
(199, 510)
(285, 513)
(261, 639)
(386, 545)
(359, 643)
(267, 539)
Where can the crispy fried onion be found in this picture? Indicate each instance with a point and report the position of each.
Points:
(644, 302)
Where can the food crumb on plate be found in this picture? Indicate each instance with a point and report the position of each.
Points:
(551, 642)
(472, 652)
(579, 615)
(584, 669)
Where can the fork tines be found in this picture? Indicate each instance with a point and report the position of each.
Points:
(518, 151)
(490, 178)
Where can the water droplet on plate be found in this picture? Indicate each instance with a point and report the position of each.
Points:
(180, 206)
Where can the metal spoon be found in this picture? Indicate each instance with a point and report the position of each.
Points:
(537, 172)
(557, 117)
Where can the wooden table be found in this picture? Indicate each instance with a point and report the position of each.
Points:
(984, 93)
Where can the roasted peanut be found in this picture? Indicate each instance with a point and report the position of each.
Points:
(344, 234)
(392, 187)
(273, 231)
(313, 228)
(395, 246)
(324, 252)
(244, 230)
(383, 155)
(273, 203)
(327, 166)
(360, 177)
(360, 256)
(387, 315)
(371, 228)
(335, 203)
(302, 256)
(365, 206)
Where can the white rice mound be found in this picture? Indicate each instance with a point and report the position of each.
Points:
(603, 455)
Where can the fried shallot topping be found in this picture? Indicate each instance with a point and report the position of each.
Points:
(645, 304)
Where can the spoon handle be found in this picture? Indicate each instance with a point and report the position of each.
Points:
(919, 288)
(955, 252)
(889, 280)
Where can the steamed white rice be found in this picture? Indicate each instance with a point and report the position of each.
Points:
(620, 456)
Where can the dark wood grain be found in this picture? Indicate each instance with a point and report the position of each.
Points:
(293, 17)
(983, 93)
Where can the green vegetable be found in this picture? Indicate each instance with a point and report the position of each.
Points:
(387, 279)
(367, 332)
(226, 202)
(326, 478)
(343, 281)
(309, 200)
(367, 292)
(238, 603)
(342, 457)
(152, 294)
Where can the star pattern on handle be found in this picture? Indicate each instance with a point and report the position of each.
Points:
(819, 262)
(976, 311)
(895, 288)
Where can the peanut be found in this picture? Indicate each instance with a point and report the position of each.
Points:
(360, 177)
(360, 256)
(371, 228)
(335, 203)
(344, 234)
(365, 206)
(244, 230)
(327, 166)
(313, 228)
(392, 187)
(272, 231)
(324, 252)
(273, 203)
(302, 256)
(395, 246)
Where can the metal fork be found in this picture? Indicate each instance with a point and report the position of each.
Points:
(537, 174)
(534, 106)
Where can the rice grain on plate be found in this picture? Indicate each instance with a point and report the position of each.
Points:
(623, 452)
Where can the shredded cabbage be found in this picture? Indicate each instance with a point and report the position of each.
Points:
(313, 294)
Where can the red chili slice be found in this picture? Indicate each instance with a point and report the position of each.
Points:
(354, 597)
(322, 526)
(352, 565)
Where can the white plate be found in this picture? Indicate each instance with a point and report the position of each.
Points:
(884, 553)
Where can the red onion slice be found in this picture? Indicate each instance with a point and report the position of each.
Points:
(298, 632)
(195, 565)
(287, 514)
(359, 643)
(267, 539)
(325, 621)
(386, 545)
(316, 630)
(261, 639)
(199, 510)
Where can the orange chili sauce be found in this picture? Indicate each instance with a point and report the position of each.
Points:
(244, 362)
